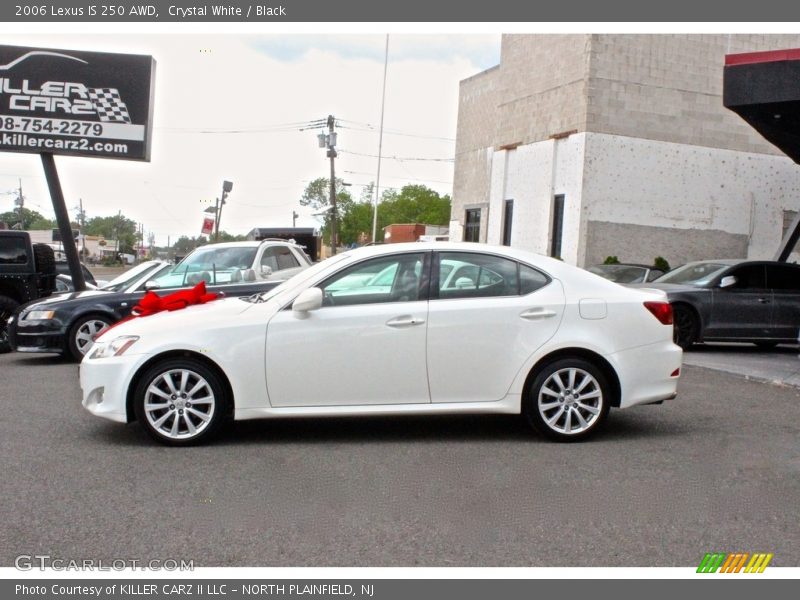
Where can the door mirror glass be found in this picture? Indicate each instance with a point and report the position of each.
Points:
(310, 299)
(728, 281)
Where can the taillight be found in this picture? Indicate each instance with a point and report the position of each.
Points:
(661, 311)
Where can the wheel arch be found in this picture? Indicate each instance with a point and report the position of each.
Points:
(585, 354)
(696, 312)
(207, 362)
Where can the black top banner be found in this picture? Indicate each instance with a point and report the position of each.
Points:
(78, 103)
(341, 11)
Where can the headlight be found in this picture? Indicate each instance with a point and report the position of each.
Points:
(40, 315)
(115, 347)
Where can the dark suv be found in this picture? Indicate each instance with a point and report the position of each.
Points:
(27, 272)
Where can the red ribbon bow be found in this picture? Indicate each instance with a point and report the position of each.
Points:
(152, 303)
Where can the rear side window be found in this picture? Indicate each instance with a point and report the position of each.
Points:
(531, 280)
(473, 275)
(12, 251)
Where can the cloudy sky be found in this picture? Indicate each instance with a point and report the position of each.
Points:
(228, 107)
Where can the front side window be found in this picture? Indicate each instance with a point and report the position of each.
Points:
(783, 278)
(278, 258)
(397, 278)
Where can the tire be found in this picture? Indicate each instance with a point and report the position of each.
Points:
(82, 332)
(7, 308)
(172, 413)
(686, 326)
(45, 263)
(568, 400)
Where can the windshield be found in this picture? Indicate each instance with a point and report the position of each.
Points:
(213, 264)
(122, 281)
(299, 279)
(699, 274)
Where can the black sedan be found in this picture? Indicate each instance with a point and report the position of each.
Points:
(68, 323)
(734, 301)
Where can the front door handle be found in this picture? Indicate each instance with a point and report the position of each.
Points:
(535, 314)
(405, 321)
(763, 300)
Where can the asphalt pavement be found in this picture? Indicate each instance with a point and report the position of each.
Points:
(717, 469)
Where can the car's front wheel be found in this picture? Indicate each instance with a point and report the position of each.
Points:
(180, 402)
(568, 400)
(83, 333)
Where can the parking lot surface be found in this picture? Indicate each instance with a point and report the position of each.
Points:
(717, 469)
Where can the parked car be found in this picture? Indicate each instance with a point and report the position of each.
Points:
(68, 323)
(734, 301)
(530, 334)
(62, 268)
(27, 272)
(627, 272)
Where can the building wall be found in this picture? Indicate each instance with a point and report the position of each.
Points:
(648, 198)
(669, 88)
(538, 90)
(657, 167)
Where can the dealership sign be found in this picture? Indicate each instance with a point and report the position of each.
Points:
(77, 103)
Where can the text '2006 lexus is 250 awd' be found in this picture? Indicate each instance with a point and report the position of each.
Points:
(401, 329)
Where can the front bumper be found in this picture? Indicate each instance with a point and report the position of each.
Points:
(104, 385)
(36, 336)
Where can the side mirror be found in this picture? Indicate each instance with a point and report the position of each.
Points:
(266, 271)
(728, 281)
(308, 300)
(152, 285)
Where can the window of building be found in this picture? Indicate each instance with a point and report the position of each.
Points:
(472, 225)
(558, 226)
(508, 219)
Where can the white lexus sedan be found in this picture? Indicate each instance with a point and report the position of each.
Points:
(400, 329)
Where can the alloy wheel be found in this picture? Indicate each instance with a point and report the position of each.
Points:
(86, 334)
(570, 400)
(179, 404)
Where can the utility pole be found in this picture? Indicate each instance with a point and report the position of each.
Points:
(329, 141)
(227, 186)
(294, 219)
(20, 204)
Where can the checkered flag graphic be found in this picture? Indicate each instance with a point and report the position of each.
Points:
(109, 106)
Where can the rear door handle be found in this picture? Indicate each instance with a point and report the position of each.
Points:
(535, 314)
(405, 321)
(763, 300)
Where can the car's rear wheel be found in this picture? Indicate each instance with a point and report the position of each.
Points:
(686, 326)
(568, 400)
(83, 333)
(180, 402)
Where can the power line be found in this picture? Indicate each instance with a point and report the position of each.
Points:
(401, 158)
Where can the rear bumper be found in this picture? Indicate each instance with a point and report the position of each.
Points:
(646, 373)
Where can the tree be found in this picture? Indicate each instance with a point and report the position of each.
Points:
(317, 196)
(30, 219)
(115, 227)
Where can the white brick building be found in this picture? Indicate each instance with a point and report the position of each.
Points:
(585, 146)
